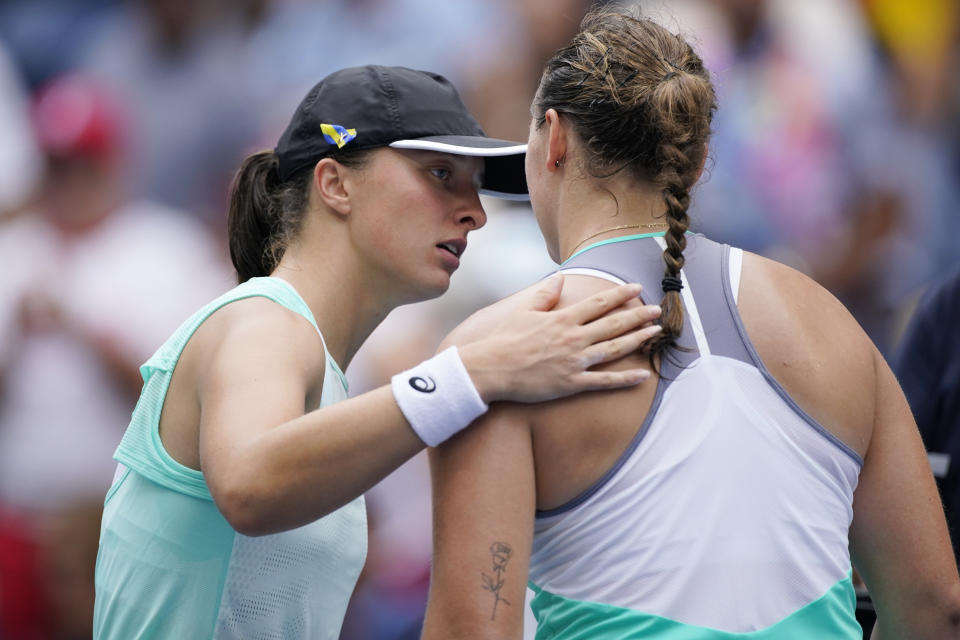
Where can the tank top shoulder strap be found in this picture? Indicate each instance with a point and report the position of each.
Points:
(141, 448)
(635, 258)
(283, 293)
(710, 277)
(276, 289)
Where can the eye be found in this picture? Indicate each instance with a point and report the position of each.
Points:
(440, 172)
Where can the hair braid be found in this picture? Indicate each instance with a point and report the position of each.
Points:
(641, 101)
(676, 196)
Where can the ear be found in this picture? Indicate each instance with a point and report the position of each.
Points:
(329, 180)
(557, 131)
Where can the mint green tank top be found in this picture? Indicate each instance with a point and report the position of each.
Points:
(170, 566)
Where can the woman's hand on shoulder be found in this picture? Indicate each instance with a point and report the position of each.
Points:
(527, 349)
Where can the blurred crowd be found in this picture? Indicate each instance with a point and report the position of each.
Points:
(836, 150)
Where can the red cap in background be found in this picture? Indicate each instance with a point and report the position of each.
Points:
(75, 116)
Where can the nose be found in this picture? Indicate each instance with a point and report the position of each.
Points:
(471, 212)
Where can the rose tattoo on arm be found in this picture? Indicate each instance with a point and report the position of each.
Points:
(501, 553)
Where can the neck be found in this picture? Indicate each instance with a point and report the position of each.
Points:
(343, 302)
(589, 212)
(603, 234)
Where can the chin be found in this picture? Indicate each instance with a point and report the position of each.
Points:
(438, 289)
(426, 291)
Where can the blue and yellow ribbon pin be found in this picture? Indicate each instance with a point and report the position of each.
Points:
(335, 134)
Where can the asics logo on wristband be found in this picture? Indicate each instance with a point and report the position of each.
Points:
(423, 385)
(436, 412)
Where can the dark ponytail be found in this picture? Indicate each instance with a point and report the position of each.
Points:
(251, 224)
(266, 214)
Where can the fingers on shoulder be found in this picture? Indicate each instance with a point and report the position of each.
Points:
(590, 290)
(479, 324)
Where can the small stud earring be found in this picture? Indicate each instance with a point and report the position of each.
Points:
(556, 163)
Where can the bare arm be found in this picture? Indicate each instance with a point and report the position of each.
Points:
(484, 502)
(270, 467)
(899, 538)
(485, 496)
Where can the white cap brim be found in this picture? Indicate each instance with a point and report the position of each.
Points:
(504, 178)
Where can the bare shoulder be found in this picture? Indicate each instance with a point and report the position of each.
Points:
(812, 345)
(579, 438)
(257, 333)
(580, 287)
(789, 308)
(246, 339)
(486, 320)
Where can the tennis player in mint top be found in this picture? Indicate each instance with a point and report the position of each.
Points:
(237, 508)
(727, 501)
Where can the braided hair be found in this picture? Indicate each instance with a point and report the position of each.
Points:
(642, 101)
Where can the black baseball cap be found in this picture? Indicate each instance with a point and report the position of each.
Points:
(374, 106)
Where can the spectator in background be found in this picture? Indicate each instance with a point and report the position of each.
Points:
(502, 82)
(92, 284)
(928, 367)
(177, 66)
(20, 160)
(178, 62)
(920, 40)
(814, 165)
(919, 43)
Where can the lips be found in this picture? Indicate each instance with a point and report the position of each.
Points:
(452, 249)
(455, 247)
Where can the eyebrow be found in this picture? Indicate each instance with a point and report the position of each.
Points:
(464, 161)
(425, 156)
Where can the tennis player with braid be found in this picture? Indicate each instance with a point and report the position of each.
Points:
(729, 499)
(237, 509)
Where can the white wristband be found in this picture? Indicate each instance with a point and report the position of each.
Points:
(437, 397)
